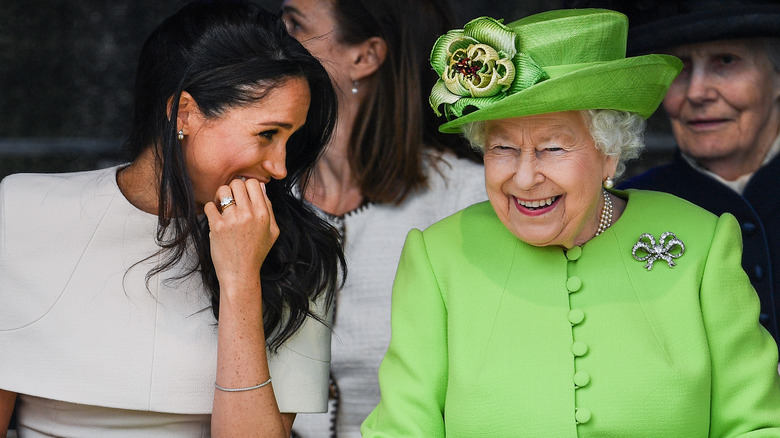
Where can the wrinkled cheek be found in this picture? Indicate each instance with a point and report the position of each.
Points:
(494, 189)
(501, 204)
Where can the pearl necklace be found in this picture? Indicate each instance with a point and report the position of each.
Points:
(606, 214)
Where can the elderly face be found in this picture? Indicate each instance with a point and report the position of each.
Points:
(725, 105)
(543, 175)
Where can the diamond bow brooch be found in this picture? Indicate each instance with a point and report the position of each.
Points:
(669, 247)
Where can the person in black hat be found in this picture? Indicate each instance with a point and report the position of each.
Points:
(724, 109)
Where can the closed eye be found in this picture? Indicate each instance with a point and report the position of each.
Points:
(550, 147)
(269, 134)
(291, 25)
(501, 150)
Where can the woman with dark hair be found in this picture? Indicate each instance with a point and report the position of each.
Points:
(115, 332)
(386, 170)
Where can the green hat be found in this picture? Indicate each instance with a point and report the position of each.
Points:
(559, 60)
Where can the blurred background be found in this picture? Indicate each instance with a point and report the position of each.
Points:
(66, 74)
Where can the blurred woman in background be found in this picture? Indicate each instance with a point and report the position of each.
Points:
(386, 170)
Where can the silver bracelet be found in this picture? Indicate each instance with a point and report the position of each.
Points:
(248, 388)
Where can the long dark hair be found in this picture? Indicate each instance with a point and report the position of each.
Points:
(395, 121)
(222, 53)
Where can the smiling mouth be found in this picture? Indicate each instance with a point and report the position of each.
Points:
(538, 204)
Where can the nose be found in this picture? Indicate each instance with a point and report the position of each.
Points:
(527, 173)
(701, 86)
(275, 161)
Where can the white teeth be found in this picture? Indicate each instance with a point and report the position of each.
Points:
(537, 203)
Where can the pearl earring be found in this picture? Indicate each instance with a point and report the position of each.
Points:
(609, 183)
(354, 87)
(181, 135)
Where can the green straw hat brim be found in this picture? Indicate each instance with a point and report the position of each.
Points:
(637, 84)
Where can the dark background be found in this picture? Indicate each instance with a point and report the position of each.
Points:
(66, 73)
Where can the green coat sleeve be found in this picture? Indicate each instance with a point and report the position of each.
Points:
(745, 384)
(413, 374)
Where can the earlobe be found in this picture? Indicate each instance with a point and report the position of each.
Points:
(610, 166)
(371, 54)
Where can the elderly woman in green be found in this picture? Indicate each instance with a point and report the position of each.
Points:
(563, 308)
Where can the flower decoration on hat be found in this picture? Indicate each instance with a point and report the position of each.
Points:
(479, 65)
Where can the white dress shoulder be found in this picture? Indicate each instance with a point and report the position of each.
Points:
(87, 340)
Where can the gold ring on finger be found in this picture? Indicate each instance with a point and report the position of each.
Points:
(226, 202)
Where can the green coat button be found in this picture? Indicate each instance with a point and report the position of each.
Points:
(576, 316)
(573, 253)
(573, 284)
(582, 415)
(581, 378)
(579, 348)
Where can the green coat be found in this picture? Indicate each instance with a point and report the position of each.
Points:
(492, 337)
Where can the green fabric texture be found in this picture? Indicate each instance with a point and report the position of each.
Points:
(559, 60)
(492, 337)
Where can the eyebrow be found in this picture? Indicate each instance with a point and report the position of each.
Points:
(292, 10)
(284, 125)
(552, 132)
(545, 135)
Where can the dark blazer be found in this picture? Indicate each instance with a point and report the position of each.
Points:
(758, 213)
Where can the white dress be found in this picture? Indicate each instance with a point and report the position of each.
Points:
(374, 237)
(91, 346)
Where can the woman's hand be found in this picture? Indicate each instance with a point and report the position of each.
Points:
(242, 234)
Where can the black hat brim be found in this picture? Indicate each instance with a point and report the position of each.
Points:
(702, 26)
